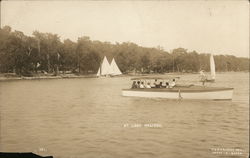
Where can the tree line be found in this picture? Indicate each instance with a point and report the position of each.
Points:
(45, 52)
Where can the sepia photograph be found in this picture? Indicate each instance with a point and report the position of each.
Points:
(124, 79)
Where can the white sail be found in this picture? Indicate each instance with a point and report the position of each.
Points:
(105, 68)
(212, 66)
(114, 68)
(98, 73)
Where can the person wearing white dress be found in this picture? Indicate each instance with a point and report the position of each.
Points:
(172, 84)
(142, 85)
(148, 85)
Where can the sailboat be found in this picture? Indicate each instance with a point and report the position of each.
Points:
(104, 69)
(212, 69)
(107, 69)
(114, 68)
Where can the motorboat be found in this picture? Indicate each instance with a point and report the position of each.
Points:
(178, 91)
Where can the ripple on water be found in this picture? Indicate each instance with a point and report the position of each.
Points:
(85, 118)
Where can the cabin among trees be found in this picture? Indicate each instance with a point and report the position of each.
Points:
(45, 52)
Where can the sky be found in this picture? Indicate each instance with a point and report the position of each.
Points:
(218, 27)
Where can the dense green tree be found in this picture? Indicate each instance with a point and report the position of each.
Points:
(26, 55)
(68, 56)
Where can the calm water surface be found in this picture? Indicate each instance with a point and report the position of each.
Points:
(86, 117)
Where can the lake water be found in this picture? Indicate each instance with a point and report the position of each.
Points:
(88, 118)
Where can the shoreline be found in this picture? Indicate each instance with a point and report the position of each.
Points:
(13, 77)
(43, 77)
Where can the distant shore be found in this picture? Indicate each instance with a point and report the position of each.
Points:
(8, 77)
(12, 76)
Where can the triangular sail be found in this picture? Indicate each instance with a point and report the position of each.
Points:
(98, 73)
(105, 68)
(212, 66)
(114, 68)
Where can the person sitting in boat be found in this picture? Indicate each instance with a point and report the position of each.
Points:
(134, 84)
(142, 85)
(203, 77)
(172, 84)
(138, 84)
(148, 85)
(160, 85)
(167, 84)
(156, 84)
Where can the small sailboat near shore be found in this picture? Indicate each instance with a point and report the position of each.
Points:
(114, 68)
(104, 69)
(108, 70)
(212, 69)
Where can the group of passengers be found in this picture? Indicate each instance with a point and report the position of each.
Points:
(141, 84)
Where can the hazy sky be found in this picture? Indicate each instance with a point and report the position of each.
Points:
(219, 27)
